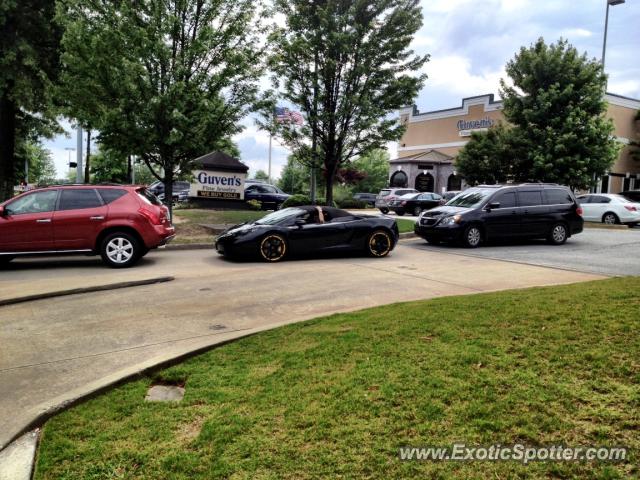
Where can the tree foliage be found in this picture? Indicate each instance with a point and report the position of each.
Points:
(375, 166)
(169, 79)
(294, 178)
(261, 175)
(557, 129)
(557, 108)
(346, 66)
(486, 158)
(42, 170)
(29, 52)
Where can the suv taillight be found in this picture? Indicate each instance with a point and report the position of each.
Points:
(153, 217)
(579, 210)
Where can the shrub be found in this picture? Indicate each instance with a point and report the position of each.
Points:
(351, 203)
(254, 205)
(299, 199)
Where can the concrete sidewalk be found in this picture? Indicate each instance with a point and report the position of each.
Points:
(58, 350)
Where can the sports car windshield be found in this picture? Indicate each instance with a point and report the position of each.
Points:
(470, 198)
(280, 215)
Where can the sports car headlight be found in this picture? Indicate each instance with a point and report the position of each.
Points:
(451, 220)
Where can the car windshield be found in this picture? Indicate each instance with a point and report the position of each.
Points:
(409, 196)
(470, 198)
(280, 215)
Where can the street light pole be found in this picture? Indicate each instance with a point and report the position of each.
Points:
(612, 3)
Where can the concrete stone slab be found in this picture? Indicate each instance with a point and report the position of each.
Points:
(164, 393)
(16, 461)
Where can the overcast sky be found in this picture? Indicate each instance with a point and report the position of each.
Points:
(470, 41)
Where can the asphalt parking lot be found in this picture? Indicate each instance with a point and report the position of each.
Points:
(595, 250)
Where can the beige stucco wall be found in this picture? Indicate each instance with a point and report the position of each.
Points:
(433, 132)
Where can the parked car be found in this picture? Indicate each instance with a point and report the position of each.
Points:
(610, 209)
(368, 198)
(633, 195)
(180, 190)
(309, 229)
(388, 194)
(512, 211)
(120, 223)
(270, 196)
(415, 203)
(446, 196)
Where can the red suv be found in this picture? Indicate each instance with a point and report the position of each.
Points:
(121, 223)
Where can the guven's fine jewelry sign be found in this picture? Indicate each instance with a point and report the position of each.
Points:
(212, 184)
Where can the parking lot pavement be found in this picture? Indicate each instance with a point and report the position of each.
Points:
(595, 250)
(56, 350)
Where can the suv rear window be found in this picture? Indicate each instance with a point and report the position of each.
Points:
(384, 193)
(530, 198)
(557, 196)
(148, 197)
(77, 199)
(111, 194)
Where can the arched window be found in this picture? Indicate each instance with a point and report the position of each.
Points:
(454, 183)
(399, 179)
(425, 182)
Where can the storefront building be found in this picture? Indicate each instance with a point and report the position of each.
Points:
(432, 140)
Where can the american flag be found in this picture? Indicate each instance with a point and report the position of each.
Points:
(284, 115)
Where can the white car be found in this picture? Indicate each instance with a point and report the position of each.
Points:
(609, 208)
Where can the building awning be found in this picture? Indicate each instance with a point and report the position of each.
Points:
(430, 156)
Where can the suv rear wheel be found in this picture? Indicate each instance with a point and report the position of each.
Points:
(120, 250)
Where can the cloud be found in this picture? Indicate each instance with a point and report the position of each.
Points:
(454, 72)
(576, 32)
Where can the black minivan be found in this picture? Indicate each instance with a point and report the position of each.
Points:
(530, 210)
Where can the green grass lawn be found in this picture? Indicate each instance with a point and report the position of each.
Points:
(335, 397)
(188, 229)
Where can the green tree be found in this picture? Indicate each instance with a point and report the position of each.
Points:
(170, 78)
(295, 176)
(109, 166)
(346, 66)
(557, 106)
(29, 52)
(42, 170)
(375, 165)
(486, 158)
(261, 175)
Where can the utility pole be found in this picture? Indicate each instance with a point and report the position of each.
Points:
(79, 170)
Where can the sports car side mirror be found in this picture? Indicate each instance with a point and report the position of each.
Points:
(3, 212)
(300, 223)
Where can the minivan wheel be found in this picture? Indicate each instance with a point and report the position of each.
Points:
(120, 250)
(610, 218)
(417, 211)
(384, 211)
(558, 234)
(472, 237)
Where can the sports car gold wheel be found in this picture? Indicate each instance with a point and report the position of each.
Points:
(379, 244)
(273, 247)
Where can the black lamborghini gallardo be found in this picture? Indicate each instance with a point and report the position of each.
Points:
(306, 230)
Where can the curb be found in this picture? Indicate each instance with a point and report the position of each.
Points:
(75, 291)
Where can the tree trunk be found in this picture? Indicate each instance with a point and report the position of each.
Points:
(87, 162)
(168, 190)
(331, 175)
(7, 146)
(129, 170)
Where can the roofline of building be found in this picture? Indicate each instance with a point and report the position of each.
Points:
(489, 101)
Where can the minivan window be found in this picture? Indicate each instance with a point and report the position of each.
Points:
(531, 198)
(506, 199)
(78, 199)
(470, 198)
(557, 196)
